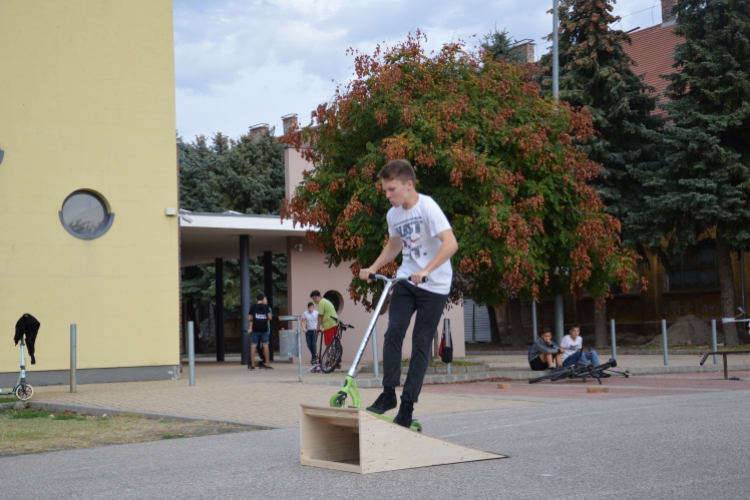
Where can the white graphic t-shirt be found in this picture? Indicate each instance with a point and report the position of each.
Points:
(311, 320)
(418, 228)
(571, 346)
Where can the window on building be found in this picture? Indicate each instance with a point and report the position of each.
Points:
(85, 215)
(693, 269)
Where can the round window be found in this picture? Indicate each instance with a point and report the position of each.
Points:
(85, 215)
(336, 299)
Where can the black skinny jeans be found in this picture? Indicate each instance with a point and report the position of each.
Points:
(405, 300)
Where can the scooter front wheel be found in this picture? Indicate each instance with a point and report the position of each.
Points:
(24, 392)
(416, 426)
(338, 400)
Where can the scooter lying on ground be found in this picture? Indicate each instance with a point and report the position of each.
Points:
(584, 371)
(22, 390)
(350, 387)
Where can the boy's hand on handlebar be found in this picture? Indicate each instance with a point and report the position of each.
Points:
(419, 277)
(364, 274)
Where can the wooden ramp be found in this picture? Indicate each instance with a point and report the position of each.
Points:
(355, 440)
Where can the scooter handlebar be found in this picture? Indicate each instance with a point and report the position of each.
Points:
(374, 276)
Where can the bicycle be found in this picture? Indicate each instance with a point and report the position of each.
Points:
(331, 358)
(582, 370)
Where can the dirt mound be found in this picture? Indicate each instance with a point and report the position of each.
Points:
(687, 330)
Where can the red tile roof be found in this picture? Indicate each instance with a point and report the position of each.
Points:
(652, 51)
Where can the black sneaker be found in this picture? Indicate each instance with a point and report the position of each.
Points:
(604, 375)
(263, 364)
(250, 367)
(384, 403)
(404, 414)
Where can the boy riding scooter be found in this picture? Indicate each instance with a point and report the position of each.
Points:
(419, 229)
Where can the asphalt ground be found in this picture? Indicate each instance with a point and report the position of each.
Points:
(683, 444)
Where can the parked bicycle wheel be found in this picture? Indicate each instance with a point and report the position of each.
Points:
(331, 357)
(558, 374)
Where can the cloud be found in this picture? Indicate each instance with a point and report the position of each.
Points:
(242, 62)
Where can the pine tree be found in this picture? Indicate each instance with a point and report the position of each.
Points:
(598, 75)
(500, 47)
(702, 189)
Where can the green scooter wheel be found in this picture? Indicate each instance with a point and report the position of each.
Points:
(416, 426)
(338, 400)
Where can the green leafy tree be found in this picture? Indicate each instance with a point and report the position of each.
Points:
(496, 156)
(245, 175)
(598, 75)
(702, 188)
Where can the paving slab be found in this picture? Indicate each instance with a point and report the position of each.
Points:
(230, 392)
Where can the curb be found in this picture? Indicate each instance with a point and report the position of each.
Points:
(620, 350)
(97, 411)
(374, 383)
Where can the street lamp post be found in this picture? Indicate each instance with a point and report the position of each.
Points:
(555, 53)
(559, 303)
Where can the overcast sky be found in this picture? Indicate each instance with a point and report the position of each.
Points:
(239, 63)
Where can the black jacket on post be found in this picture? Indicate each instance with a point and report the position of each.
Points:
(27, 325)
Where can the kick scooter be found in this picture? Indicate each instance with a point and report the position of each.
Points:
(22, 390)
(350, 387)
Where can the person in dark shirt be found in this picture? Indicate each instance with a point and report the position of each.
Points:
(544, 352)
(259, 318)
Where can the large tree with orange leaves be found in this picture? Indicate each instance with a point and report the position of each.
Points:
(497, 157)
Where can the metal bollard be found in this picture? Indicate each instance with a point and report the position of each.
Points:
(299, 348)
(714, 347)
(375, 366)
(73, 347)
(448, 340)
(533, 320)
(664, 341)
(191, 353)
(614, 340)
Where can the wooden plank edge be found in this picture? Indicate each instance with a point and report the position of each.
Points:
(325, 464)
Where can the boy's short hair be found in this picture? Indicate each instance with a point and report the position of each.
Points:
(260, 296)
(310, 304)
(398, 169)
(315, 293)
(576, 325)
(546, 329)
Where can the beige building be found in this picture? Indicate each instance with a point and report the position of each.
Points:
(87, 182)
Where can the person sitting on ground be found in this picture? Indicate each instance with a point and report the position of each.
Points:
(260, 319)
(544, 352)
(573, 345)
(310, 327)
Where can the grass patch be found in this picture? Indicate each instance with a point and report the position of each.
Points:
(174, 436)
(8, 399)
(39, 431)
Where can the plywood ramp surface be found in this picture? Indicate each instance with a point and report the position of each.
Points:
(355, 440)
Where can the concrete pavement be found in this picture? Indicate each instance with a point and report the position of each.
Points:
(687, 446)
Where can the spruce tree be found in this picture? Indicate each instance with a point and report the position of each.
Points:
(702, 188)
(500, 47)
(598, 75)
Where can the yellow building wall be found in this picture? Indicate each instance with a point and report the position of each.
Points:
(87, 102)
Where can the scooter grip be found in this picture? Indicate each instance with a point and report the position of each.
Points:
(372, 276)
(424, 279)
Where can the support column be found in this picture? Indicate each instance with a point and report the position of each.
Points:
(220, 344)
(268, 290)
(559, 318)
(245, 296)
